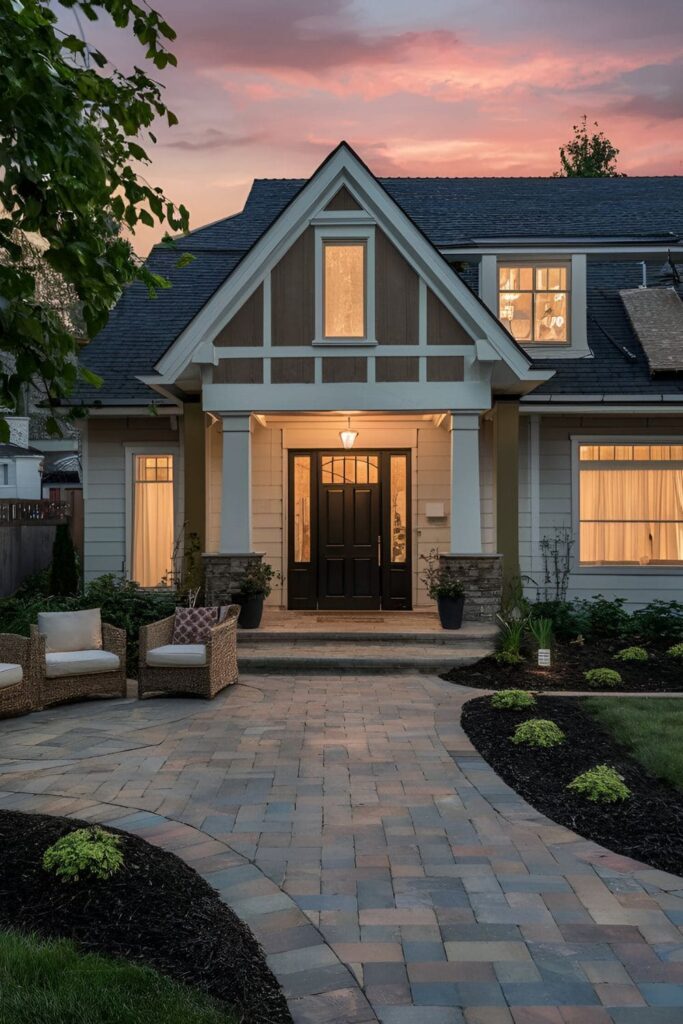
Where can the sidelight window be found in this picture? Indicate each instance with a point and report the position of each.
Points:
(631, 504)
(302, 508)
(399, 508)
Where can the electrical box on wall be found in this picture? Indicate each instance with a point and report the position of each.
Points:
(435, 510)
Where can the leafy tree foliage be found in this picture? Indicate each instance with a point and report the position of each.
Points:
(72, 130)
(589, 154)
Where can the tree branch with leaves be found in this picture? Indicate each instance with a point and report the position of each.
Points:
(589, 154)
(73, 130)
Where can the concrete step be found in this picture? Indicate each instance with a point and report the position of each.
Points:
(471, 634)
(315, 658)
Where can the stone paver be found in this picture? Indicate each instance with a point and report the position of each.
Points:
(387, 871)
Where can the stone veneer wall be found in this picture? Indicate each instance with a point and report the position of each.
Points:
(222, 574)
(482, 577)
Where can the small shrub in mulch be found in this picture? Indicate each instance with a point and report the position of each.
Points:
(660, 673)
(154, 911)
(647, 826)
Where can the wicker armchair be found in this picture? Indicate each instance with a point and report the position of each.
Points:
(55, 690)
(203, 680)
(16, 698)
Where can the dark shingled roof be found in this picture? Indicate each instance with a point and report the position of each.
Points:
(450, 211)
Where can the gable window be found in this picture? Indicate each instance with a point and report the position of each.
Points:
(533, 302)
(344, 289)
(631, 504)
(153, 520)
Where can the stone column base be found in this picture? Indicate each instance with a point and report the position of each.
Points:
(482, 577)
(222, 575)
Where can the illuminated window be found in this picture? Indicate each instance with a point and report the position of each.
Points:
(631, 504)
(399, 508)
(344, 289)
(533, 303)
(350, 469)
(302, 508)
(153, 520)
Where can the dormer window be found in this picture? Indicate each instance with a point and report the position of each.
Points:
(533, 302)
(344, 285)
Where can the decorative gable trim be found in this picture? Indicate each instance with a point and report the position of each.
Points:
(343, 168)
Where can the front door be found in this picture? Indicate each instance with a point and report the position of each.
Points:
(349, 538)
(349, 530)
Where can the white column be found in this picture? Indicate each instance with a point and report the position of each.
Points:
(465, 493)
(236, 486)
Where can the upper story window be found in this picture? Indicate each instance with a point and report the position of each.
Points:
(533, 302)
(344, 283)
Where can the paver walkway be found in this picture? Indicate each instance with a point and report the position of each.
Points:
(387, 870)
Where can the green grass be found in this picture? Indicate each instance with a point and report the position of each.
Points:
(651, 728)
(49, 982)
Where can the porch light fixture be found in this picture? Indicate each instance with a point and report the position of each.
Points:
(348, 436)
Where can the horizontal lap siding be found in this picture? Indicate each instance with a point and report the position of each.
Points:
(555, 508)
(104, 540)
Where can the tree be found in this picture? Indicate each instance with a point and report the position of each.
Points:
(63, 571)
(588, 155)
(72, 130)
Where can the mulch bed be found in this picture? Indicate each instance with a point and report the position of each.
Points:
(156, 911)
(648, 826)
(659, 673)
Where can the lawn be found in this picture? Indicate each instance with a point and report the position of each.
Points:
(650, 729)
(48, 982)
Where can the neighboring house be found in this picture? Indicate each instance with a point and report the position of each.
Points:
(483, 347)
(21, 465)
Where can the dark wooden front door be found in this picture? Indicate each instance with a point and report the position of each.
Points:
(349, 530)
(349, 537)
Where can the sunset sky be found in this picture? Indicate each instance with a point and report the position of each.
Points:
(265, 88)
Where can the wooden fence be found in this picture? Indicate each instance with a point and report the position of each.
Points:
(27, 533)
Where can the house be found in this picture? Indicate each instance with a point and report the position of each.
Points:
(21, 464)
(355, 371)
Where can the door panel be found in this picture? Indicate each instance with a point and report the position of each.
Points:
(349, 528)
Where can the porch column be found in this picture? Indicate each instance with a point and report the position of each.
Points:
(465, 493)
(506, 469)
(236, 485)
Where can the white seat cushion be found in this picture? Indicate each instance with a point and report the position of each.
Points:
(79, 663)
(71, 631)
(10, 674)
(177, 656)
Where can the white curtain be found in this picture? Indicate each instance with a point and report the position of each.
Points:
(631, 515)
(152, 532)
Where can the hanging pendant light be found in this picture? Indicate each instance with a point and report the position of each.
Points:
(348, 436)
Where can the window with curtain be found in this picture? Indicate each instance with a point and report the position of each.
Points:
(344, 289)
(533, 303)
(631, 504)
(153, 524)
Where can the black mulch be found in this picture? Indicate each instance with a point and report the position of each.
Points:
(156, 911)
(648, 826)
(570, 660)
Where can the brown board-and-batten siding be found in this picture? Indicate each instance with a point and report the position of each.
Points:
(396, 295)
(442, 327)
(245, 328)
(293, 294)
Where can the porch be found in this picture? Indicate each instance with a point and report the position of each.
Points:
(349, 530)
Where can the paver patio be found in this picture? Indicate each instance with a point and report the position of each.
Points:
(388, 872)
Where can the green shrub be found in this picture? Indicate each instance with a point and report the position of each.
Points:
(538, 732)
(632, 654)
(510, 639)
(542, 632)
(598, 677)
(676, 651)
(64, 575)
(562, 614)
(659, 623)
(601, 784)
(508, 658)
(86, 851)
(513, 700)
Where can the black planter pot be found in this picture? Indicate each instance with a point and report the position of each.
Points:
(251, 606)
(450, 611)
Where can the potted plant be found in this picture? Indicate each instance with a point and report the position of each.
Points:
(445, 587)
(255, 586)
(542, 632)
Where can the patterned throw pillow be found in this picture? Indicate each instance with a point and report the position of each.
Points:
(192, 625)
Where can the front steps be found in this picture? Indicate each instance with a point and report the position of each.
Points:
(350, 651)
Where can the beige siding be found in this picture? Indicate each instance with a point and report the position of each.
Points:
(554, 510)
(104, 491)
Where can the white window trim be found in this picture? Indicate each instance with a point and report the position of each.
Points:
(577, 346)
(131, 450)
(609, 570)
(333, 231)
